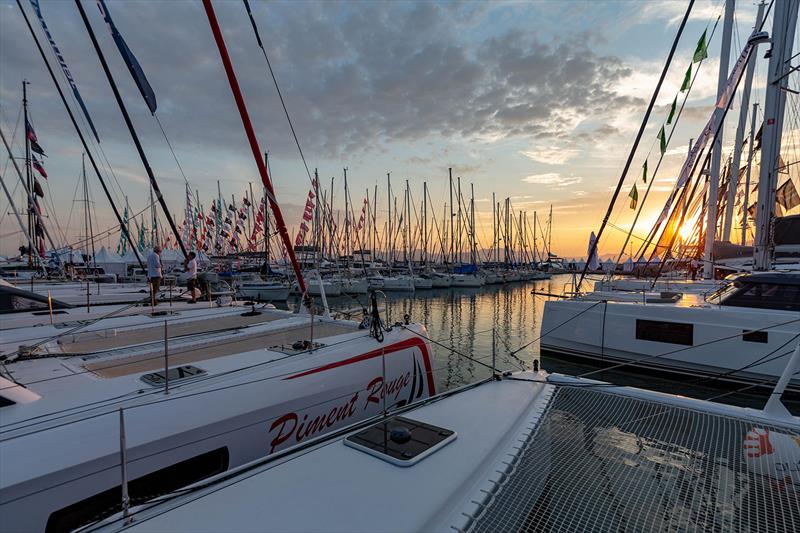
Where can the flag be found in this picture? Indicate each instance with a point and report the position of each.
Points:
(634, 196)
(130, 60)
(644, 171)
(687, 79)
(37, 165)
(663, 138)
(700, 52)
(32, 139)
(672, 110)
(786, 196)
(64, 68)
(246, 202)
(37, 188)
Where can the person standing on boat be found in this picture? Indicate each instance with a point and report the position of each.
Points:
(154, 273)
(191, 275)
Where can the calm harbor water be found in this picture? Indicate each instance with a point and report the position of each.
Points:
(460, 323)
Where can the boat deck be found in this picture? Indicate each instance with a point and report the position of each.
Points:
(532, 453)
(108, 339)
(209, 346)
(620, 463)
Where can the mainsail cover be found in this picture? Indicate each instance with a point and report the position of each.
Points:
(130, 60)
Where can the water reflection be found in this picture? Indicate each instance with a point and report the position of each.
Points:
(460, 321)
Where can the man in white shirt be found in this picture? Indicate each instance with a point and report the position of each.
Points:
(191, 275)
(154, 274)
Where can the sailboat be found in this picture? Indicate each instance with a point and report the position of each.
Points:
(196, 391)
(737, 333)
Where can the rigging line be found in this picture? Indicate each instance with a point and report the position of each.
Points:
(169, 144)
(748, 387)
(277, 87)
(651, 234)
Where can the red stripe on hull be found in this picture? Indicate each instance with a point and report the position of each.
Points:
(413, 342)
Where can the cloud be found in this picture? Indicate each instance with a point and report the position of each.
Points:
(553, 155)
(552, 179)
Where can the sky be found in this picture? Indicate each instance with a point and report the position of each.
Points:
(536, 101)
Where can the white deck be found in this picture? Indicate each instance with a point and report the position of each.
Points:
(338, 488)
(570, 455)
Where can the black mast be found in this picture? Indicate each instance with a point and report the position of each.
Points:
(131, 129)
(122, 225)
(28, 176)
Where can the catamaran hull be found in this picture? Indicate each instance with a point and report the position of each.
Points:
(735, 345)
(219, 424)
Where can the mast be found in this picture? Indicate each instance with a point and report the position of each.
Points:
(450, 239)
(425, 223)
(262, 169)
(716, 155)
(550, 233)
(746, 199)
(389, 234)
(346, 221)
(783, 29)
(505, 234)
(374, 223)
(494, 231)
(28, 174)
(535, 253)
(474, 250)
(266, 218)
(733, 181)
(219, 245)
(459, 228)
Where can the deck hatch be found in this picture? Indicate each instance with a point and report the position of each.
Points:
(177, 373)
(400, 440)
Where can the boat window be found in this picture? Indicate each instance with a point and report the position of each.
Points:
(141, 489)
(755, 336)
(669, 332)
(764, 296)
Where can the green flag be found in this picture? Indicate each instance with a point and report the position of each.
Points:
(700, 53)
(672, 110)
(663, 138)
(644, 171)
(634, 196)
(687, 79)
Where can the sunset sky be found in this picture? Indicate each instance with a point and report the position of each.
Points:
(539, 101)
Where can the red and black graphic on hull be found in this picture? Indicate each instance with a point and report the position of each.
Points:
(413, 342)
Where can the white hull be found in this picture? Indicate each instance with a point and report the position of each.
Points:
(231, 416)
(399, 283)
(440, 281)
(422, 283)
(466, 280)
(697, 341)
(354, 286)
(638, 285)
(264, 291)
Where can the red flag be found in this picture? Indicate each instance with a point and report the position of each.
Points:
(36, 164)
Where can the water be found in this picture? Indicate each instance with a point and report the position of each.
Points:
(460, 322)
